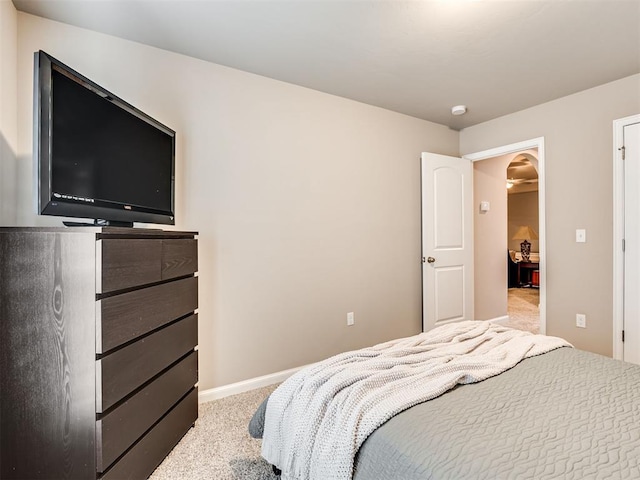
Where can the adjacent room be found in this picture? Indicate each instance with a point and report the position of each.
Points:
(506, 192)
(523, 295)
(319, 239)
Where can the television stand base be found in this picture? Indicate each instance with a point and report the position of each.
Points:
(99, 223)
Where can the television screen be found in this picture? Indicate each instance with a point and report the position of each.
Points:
(98, 156)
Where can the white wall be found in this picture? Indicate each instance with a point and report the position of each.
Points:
(579, 194)
(490, 237)
(307, 204)
(8, 112)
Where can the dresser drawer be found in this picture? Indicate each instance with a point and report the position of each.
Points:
(179, 258)
(129, 263)
(119, 429)
(143, 458)
(124, 317)
(121, 372)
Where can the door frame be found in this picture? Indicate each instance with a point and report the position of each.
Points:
(537, 143)
(618, 233)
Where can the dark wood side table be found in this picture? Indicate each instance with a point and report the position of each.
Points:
(525, 271)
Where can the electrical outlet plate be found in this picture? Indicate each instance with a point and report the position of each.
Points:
(351, 319)
(581, 320)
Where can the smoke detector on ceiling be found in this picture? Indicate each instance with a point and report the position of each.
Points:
(459, 110)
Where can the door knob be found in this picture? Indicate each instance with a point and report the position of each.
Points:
(431, 259)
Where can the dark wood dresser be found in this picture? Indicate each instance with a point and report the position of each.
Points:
(98, 336)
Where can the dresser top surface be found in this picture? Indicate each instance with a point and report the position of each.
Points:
(104, 232)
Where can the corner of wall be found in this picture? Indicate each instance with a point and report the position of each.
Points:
(8, 112)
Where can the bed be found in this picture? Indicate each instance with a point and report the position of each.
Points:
(564, 414)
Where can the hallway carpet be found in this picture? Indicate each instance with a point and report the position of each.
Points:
(523, 310)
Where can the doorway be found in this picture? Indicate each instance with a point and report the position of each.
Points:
(491, 303)
(523, 258)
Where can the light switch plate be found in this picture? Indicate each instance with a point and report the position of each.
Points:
(581, 235)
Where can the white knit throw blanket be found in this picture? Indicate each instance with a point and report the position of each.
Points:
(317, 419)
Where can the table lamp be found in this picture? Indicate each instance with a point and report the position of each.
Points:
(525, 233)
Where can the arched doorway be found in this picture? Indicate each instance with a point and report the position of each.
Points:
(491, 244)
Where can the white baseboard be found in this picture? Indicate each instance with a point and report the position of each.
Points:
(501, 320)
(246, 385)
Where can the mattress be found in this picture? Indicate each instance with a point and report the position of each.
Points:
(566, 414)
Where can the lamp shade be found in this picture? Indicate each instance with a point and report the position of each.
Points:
(525, 233)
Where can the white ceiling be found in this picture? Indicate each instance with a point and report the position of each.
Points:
(415, 57)
(523, 175)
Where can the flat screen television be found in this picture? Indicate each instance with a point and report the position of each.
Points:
(97, 156)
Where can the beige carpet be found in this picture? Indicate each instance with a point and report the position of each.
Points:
(523, 310)
(219, 446)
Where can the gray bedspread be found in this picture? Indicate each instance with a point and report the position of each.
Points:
(567, 414)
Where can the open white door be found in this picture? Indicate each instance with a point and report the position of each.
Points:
(631, 312)
(447, 240)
